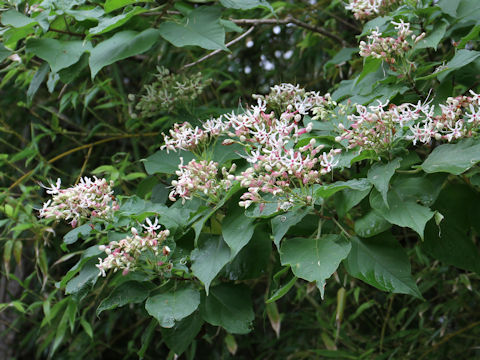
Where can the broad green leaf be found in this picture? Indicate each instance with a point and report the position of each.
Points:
(82, 15)
(130, 292)
(423, 188)
(449, 7)
(4, 52)
(371, 224)
(451, 242)
(237, 229)
(174, 305)
(346, 199)
(230, 307)
(179, 337)
(72, 236)
(89, 254)
(223, 153)
(462, 58)
(166, 163)
(381, 262)
(314, 259)
(209, 258)
(60, 54)
(121, 46)
(281, 223)
(325, 191)
(11, 37)
(246, 4)
(345, 54)
(15, 19)
(107, 24)
(370, 65)
(111, 5)
(37, 80)
(86, 278)
(453, 158)
(69, 74)
(402, 213)
(252, 260)
(472, 35)
(201, 27)
(380, 174)
(433, 38)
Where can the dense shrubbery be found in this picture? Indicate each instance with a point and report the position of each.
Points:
(206, 196)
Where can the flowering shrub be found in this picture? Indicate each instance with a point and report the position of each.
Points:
(226, 208)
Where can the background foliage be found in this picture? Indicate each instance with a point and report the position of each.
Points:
(88, 87)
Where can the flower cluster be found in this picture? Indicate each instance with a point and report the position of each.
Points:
(376, 128)
(284, 95)
(278, 164)
(124, 254)
(363, 9)
(201, 178)
(169, 91)
(388, 48)
(88, 199)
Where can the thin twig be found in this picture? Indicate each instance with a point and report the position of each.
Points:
(78, 148)
(448, 337)
(84, 164)
(237, 39)
(385, 321)
(290, 20)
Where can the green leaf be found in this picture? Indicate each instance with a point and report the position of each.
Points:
(201, 27)
(246, 4)
(345, 54)
(346, 199)
(4, 52)
(107, 24)
(179, 337)
(419, 188)
(130, 292)
(111, 5)
(381, 262)
(449, 7)
(402, 213)
(69, 74)
(82, 15)
(451, 242)
(37, 80)
(472, 35)
(87, 277)
(281, 223)
(434, 37)
(462, 58)
(162, 162)
(370, 65)
(380, 174)
(314, 259)
(237, 229)
(325, 191)
(174, 305)
(453, 158)
(371, 224)
(15, 19)
(72, 236)
(282, 291)
(209, 258)
(230, 307)
(59, 54)
(121, 46)
(252, 261)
